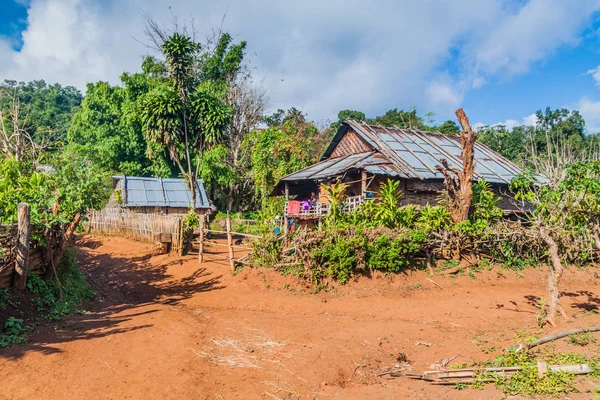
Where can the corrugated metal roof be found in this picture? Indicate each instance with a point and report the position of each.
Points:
(371, 161)
(160, 192)
(406, 153)
(416, 153)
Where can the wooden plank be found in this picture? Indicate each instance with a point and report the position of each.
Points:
(230, 243)
(285, 212)
(201, 241)
(24, 239)
(234, 233)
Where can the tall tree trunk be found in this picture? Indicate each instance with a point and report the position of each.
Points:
(554, 274)
(458, 183)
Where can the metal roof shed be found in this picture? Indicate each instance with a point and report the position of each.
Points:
(159, 192)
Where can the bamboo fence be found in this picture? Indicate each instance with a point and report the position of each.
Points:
(142, 227)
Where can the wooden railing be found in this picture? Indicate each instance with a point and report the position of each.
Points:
(350, 204)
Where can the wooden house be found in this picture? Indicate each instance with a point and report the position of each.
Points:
(364, 156)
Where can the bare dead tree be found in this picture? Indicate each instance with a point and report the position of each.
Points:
(458, 182)
(249, 102)
(559, 154)
(17, 133)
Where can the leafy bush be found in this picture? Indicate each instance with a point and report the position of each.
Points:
(14, 332)
(340, 255)
(74, 288)
(394, 253)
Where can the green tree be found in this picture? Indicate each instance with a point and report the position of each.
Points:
(184, 115)
(107, 129)
(280, 150)
(448, 127)
(400, 118)
(511, 143)
(351, 114)
(35, 117)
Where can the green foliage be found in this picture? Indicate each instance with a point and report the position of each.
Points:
(387, 210)
(448, 128)
(14, 332)
(107, 128)
(339, 257)
(46, 109)
(485, 203)
(432, 218)
(184, 114)
(582, 339)
(75, 290)
(77, 185)
(351, 114)
(280, 150)
(191, 222)
(394, 253)
(342, 252)
(527, 382)
(335, 196)
(400, 118)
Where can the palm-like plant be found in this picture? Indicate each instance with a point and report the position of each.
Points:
(180, 114)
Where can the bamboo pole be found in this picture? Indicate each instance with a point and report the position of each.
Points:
(24, 239)
(181, 237)
(285, 211)
(230, 243)
(201, 241)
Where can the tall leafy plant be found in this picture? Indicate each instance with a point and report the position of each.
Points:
(181, 115)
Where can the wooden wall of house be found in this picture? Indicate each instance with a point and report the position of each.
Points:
(351, 143)
(418, 192)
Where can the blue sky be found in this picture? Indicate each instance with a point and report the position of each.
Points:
(13, 20)
(499, 59)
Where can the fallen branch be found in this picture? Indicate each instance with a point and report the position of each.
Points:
(435, 283)
(556, 336)
(469, 375)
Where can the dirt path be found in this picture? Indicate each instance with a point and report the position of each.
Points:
(167, 328)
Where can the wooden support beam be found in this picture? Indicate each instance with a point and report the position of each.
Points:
(285, 218)
(363, 183)
(230, 243)
(23, 242)
(201, 241)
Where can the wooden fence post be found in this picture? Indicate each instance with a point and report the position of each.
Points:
(23, 241)
(230, 243)
(201, 241)
(285, 211)
(180, 227)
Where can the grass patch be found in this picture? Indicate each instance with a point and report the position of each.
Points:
(582, 339)
(527, 382)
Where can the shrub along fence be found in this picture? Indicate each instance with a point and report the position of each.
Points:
(19, 255)
(149, 228)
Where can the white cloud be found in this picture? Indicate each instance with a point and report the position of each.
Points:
(320, 56)
(478, 82)
(590, 110)
(528, 120)
(595, 73)
(443, 95)
(539, 27)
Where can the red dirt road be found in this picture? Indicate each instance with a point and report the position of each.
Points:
(168, 328)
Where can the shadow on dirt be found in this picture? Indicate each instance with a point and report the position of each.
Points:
(590, 303)
(122, 287)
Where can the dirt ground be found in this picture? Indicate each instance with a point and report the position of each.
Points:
(164, 327)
